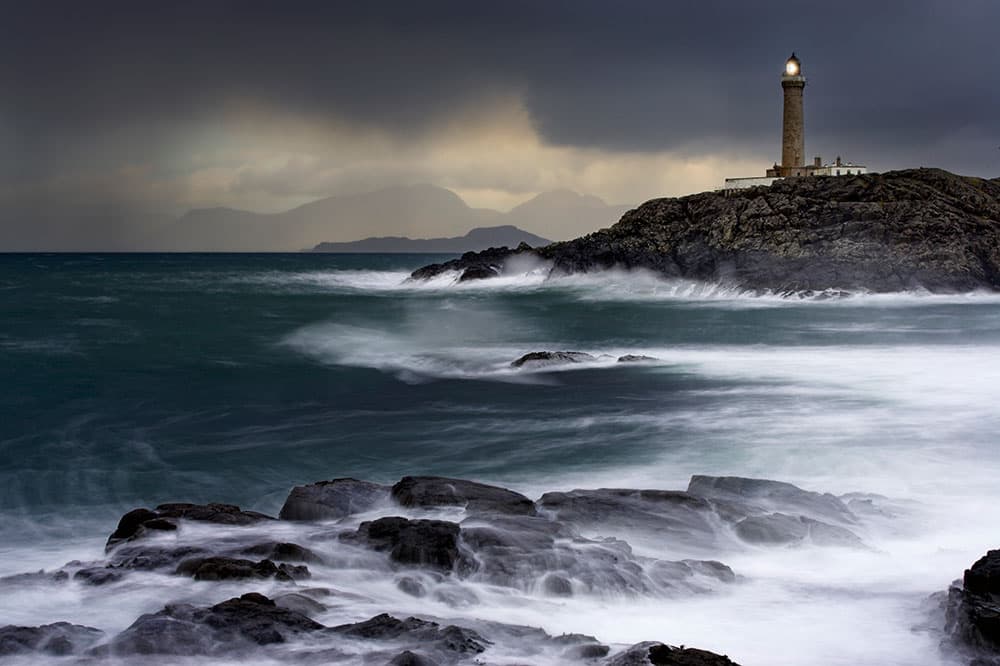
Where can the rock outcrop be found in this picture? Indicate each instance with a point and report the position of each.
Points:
(140, 522)
(545, 358)
(57, 639)
(448, 541)
(331, 500)
(972, 618)
(233, 626)
(436, 491)
(918, 228)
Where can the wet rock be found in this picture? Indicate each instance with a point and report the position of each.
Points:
(407, 658)
(144, 557)
(557, 586)
(972, 618)
(430, 543)
(541, 359)
(587, 651)
(537, 554)
(659, 654)
(60, 639)
(480, 261)
(234, 626)
(782, 529)
(621, 511)
(332, 500)
(411, 586)
(140, 522)
(435, 491)
(229, 568)
(430, 635)
(282, 552)
(755, 496)
(691, 575)
(300, 603)
(35, 577)
(636, 358)
(99, 575)
(480, 272)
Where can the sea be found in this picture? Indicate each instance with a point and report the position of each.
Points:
(131, 380)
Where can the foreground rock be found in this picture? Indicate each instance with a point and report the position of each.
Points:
(453, 544)
(658, 654)
(417, 634)
(918, 228)
(59, 639)
(436, 491)
(140, 522)
(429, 543)
(972, 617)
(229, 568)
(679, 515)
(765, 495)
(233, 626)
(332, 500)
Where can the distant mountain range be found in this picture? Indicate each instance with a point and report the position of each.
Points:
(414, 212)
(477, 239)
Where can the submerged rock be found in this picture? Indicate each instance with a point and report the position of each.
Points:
(408, 658)
(332, 500)
(59, 639)
(753, 496)
(782, 529)
(419, 632)
(229, 568)
(233, 626)
(145, 557)
(893, 231)
(434, 491)
(636, 358)
(622, 510)
(99, 575)
(542, 359)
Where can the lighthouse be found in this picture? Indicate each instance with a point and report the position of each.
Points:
(793, 137)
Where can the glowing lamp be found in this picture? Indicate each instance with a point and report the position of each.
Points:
(792, 66)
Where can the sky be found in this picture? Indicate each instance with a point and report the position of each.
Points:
(113, 113)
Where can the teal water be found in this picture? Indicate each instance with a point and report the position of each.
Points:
(131, 380)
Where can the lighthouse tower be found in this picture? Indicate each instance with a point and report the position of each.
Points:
(793, 137)
(793, 140)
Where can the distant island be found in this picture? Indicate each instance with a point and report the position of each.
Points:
(895, 231)
(477, 239)
(404, 212)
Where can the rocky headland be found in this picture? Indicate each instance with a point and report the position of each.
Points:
(900, 230)
(440, 543)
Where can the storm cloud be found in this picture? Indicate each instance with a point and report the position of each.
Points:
(113, 111)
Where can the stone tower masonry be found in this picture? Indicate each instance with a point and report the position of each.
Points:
(792, 127)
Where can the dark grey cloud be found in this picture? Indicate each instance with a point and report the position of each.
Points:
(106, 83)
(636, 75)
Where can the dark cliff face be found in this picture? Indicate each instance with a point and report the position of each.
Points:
(920, 228)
